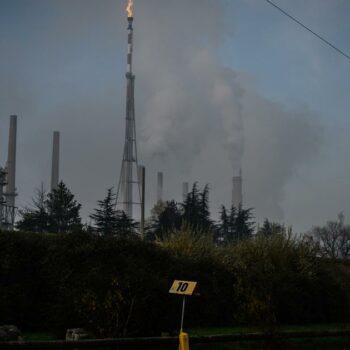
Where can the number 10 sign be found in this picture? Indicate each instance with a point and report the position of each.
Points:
(183, 287)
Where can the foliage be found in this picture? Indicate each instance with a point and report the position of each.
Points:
(109, 285)
(116, 287)
(333, 239)
(109, 221)
(195, 209)
(271, 228)
(280, 279)
(166, 218)
(105, 217)
(35, 218)
(184, 242)
(125, 227)
(63, 210)
(235, 225)
(53, 212)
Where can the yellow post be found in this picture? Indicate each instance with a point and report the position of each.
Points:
(184, 341)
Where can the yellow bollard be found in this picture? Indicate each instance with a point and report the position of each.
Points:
(184, 341)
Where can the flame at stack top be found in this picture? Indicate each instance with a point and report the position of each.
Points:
(129, 8)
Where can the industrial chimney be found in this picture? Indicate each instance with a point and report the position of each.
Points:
(55, 171)
(11, 164)
(159, 186)
(237, 199)
(184, 191)
(2, 200)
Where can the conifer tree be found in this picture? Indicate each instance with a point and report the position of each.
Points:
(105, 217)
(196, 209)
(35, 218)
(235, 225)
(125, 226)
(63, 210)
(244, 225)
(271, 228)
(223, 227)
(165, 221)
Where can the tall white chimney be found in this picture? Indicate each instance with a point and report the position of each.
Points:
(159, 186)
(184, 191)
(11, 163)
(55, 169)
(237, 197)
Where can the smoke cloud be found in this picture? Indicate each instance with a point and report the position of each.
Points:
(196, 118)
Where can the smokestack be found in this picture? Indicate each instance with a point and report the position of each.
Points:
(184, 191)
(237, 197)
(159, 186)
(11, 163)
(143, 200)
(55, 170)
(2, 201)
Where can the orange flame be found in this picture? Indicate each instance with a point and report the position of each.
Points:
(129, 8)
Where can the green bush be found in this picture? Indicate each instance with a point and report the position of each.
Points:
(112, 286)
(118, 287)
(280, 279)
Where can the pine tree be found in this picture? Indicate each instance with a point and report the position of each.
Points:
(196, 209)
(271, 228)
(223, 227)
(105, 217)
(244, 226)
(235, 225)
(63, 210)
(205, 222)
(165, 221)
(232, 235)
(35, 218)
(125, 226)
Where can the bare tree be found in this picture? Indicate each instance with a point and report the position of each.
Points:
(333, 239)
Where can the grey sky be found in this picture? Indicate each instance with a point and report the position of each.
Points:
(218, 83)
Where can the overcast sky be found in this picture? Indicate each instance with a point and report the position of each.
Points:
(219, 85)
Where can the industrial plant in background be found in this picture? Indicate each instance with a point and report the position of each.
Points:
(55, 171)
(8, 180)
(237, 192)
(129, 188)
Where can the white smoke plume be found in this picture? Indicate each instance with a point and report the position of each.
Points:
(196, 119)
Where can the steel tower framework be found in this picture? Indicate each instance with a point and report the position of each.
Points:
(129, 184)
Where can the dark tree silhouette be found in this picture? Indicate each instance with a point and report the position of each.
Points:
(244, 224)
(125, 226)
(235, 225)
(196, 209)
(105, 217)
(63, 210)
(165, 221)
(35, 218)
(271, 228)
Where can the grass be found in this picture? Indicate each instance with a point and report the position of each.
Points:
(36, 336)
(286, 328)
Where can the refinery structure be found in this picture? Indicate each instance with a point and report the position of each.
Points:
(131, 185)
(129, 191)
(8, 180)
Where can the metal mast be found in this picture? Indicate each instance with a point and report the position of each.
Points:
(129, 183)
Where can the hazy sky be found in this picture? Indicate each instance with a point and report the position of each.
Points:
(219, 84)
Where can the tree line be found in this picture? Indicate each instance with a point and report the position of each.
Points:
(59, 212)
